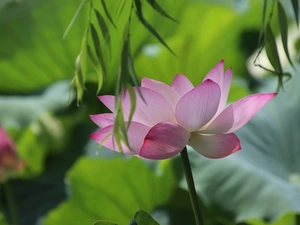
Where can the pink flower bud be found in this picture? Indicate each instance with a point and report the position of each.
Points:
(9, 161)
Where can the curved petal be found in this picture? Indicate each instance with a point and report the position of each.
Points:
(215, 146)
(164, 140)
(150, 111)
(165, 90)
(238, 114)
(108, 101)
(103, 120)
(136, 134)
(5, 141)
(216, 74)
(198, 106)
(182, 85)
(225, 89)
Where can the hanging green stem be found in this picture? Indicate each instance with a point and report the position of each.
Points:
(191, 187)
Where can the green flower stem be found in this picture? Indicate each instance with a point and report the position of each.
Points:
(191, 187)
(10, 203)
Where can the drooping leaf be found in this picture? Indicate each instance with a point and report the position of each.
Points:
(134, 75)
(79, 78)
(130, 186)
(198, 52)
(160, 10)
(283, 24)
(143, 218)
(97, 66)
(295, 4)
(99, 54)
(124, 73)
(96, 42)
(133, 104)
(104, 29)
(107, 13)
(262, 27)
(152, 30)
(120, 8)
(120, 131)
(272, 53)
(112, 63)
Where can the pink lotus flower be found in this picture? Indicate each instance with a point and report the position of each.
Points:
(9, 162)
(178, 115)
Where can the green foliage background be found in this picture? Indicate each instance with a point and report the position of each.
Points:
(68, 180)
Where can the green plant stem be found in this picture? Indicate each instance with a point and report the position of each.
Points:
(10, 203)
(191, 187)
(297, 219)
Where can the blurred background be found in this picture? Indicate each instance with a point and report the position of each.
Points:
(66, 179)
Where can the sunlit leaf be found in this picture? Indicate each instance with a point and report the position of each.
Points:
(33, 52)
(283, 24)
(130, 185)
(143, 218)
(120, 130)
(160, 10)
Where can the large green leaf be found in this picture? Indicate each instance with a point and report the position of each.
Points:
(112, 190)
(33, 52)
(263, 179)
(36, 196)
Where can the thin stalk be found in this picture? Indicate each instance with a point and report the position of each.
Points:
(191, 187)
(297, 219)
(12, 210)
